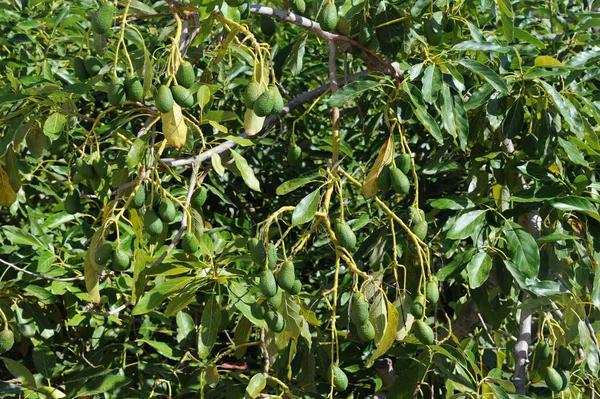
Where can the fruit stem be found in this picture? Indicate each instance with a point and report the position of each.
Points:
(4, 320)
(122, 41)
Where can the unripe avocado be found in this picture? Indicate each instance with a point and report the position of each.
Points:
(185, 75)
(566, 359)
(344, 234)
(102, 19)
(152, 223)
(417, 308)
(251, 94)
(286, 276)
(366, 331)
(121, 259)
(164, 99)
(276, 300)
(383, 180)
(134, 89)
(267, 284)
(275, 321)
(449, 25)
(277, 100)
(79, 68)
(420, 229)
(166, 210)
(257, 251)
(199, 198)
(139, 198)
(116, 92)
(423, 332)
(7, 340)
(92, 65)
(100, 168)
(294, 154)
(432, 291)
(359, 313)
(264, 103)
(296, 288)
(553, 379)
(84, 169)
(344, 27)
(415, 216)
(103, 253)
(182, 96)
(189, 243)
(340, 380)
(271, 256)
(267, 26)
(542, 356)
(328, 18)
(403, 162)
(399, 181)
(299, 6)
(72, 203)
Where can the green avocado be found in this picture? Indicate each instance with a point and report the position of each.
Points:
(340, 379)
(133, 88)
(271, 255)
(199, 198)
(417, 308)
(139, 198)
(299, 6)
(267, 284)
(79, 68)
(166, 210)
(286, 276)
(276, 300)
(275, 321)
(566, 359)
(100, 168)
(344, 234)
(424, 333)
(383, 180)
(433, 31)
(257, 251)
(359, 313)
(185, 75)
(420, 229)
(267, 26)
(432, 291)
(403, 162)
(277, 100)
(164, 99)
(116, 92)
(296, 288)
(72, 203)
(366, 331)
(182, 96)
(251, 94)
(399, 181)
(103, 253)
(294, 154)
(121, 259)
(92, 65)
(102, 19)
(553, 379)
(189, 243)
(264, 103)
(7, 340)
(152, 223)
(328, 18)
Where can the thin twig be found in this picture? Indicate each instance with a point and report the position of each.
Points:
(66, 279)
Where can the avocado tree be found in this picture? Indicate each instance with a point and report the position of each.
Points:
(306, 198)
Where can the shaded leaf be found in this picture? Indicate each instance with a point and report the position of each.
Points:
(306, 209)
(522, 249)
(487, 73)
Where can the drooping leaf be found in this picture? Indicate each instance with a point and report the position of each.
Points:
(246, 171)
(306, 208)
(522, 249)
(466, 224)
(209, 327)
(486, 73)
(350, 91)
(478, 269)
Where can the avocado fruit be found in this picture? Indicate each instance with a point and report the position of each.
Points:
(134, 90)
(189, 243)
(72, 202)
(199, 198)
(420, 229)
(383, 180)
(275, 321)
(7, 340)
(103, 253)
(366, 331)
(267, 284)
(182, 96)
(79, 68)
(164, 99)
(121, 259)
(264, 103)
(398, 181)
(152, 223)
(294, 154)
(267, 26)
(166, 210)
(340, 379)
(432, 291)
(251, 94)
(139, 198)
(185, 75)
(359, 313)
(424, 333)
(102, 19)
(344, 234)
(286, 276)
(328, 18)
(116, 92)
(92, 65)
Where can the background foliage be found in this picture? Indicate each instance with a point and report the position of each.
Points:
(495, 101)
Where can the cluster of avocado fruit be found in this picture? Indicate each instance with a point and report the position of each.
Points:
(91, 172)
(161, 212)
(131, 88)
(556, 376)
(395, 177)
(263, 100)
(119, 258)
(272, 286)
(359, 316)
(422, 331)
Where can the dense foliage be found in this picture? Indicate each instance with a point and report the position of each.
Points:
(221, 199)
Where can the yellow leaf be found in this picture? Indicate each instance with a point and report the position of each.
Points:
(174, 127)
(386, 153)
(95, 242)
(7, 195)
(91, 279)
(389, 335)
(252, 122)
(546, 60)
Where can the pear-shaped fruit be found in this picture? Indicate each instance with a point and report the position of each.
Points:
(102, 19)
(92, 65)
(424, 333)
(189, 243)
(328, 18)
(182, 96)
(264, 103)
(199, 198)
(340, 379)
(79, 68)
(116, 92)
(344, 234)
(366, 331)
(121, 259)
(286, 276)
(7, 340)
(359, 313)
(166, 210)
(134, 89)
(103, 253)
(251, 94)
(185, 75)
(152, 223)
(267, 284)
(164, 99)
(399, 181)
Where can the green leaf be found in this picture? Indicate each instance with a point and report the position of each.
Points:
(244, 301)
(486, 73)
(432, 83)
(513, 123)
(135, 153)
(209, 327)
(306, 209)
(101, 385)
(161, 347)
(507, 17)
(454, 203)
(389, 334)
(158, 294)
(480, 46)
(351, 91)
(529, 38)
(566, 109)
(203, 96)
(295, 60)
(573, 152)
(21, 237)
(448, 117)
(257, 383)
(410, 376)
(246, 171)
(590, 349)
(44, 360)
(215, 160)
(522, 249)
(185, 326)
(55, 125)
(576, 204)
(20, 372)
(478, 269)
(294, 184)
(466, 224)
(421, 112)
(140, 8)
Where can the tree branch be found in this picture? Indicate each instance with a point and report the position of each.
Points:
(66, 279)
